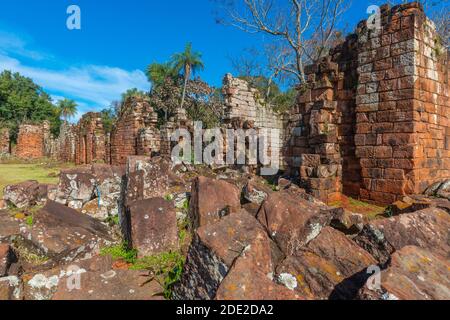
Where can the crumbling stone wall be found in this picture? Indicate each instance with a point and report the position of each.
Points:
(136, 124)
(320, 148)
(90, 140)
(4, 141)
(372, 121)
(246, 109)
(30, 142)
(67, 142)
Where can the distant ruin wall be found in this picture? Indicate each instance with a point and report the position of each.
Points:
(375, 113)
(30, 142)
(128, 137)
(90, 140)
(66, 142)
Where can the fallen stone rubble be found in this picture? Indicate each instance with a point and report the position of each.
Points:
(250, 240)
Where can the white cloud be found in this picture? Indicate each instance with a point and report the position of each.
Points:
(92, 86)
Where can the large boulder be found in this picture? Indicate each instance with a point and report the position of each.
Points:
(426, 229)
(212, 199)
(149, 178)
(10, 288)
(213, 251)
(251, 276)
(23, 195)
(291, 220)
(414, 274)
(9, 227)
(255, 191)
(91, 279)
(63, 234)
(119, 285)
(108, 188)
(330, 267)
(439, 189)
(153, 226)
(76, 187)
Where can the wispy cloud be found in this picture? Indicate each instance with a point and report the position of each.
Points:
(92, 86)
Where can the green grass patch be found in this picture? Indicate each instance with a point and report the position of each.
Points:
(166, 268)
(13, 173)
(122, 252)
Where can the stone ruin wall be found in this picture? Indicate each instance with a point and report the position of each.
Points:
(5, 147)
(245, 109)
(66, 143)
(135, 126)
(320, 145)
(375, 113)
(90, 140)
(31, 141)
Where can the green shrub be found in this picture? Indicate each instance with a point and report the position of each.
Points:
(121, 251)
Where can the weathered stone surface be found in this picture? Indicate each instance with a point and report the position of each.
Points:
(255, 192)
(330, 267)
(292, 221)
(209, 200)
(251, 276)
(213, 251)
(153, 226)
(10, 288)
(426, 229)
(414, 274)
(408, 205)
(93, 209)
(347, 222)
(91, 279)
(76, 187)
(22, 195)
(108, 187)
(64, 234)
(148, 179)
(9, 227)
(7, 257)
(112, 285)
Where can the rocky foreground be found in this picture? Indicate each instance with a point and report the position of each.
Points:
(240, 238)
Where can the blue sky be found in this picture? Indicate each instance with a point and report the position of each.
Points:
(117, 41)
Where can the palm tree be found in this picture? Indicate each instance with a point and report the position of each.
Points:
(187, 62)
(67, 108)
(157, 73)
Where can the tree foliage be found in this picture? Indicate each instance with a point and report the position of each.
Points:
(187, 63)
(202, 102)
(67, 108)
(21, 100)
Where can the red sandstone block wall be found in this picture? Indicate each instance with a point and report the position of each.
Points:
(30, 142)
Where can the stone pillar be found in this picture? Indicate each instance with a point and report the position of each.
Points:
(402, 106)
(5, 147)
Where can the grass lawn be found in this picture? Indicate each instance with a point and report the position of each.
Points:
(12, 173)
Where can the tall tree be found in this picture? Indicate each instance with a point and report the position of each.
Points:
(67, 108)
(23, 100)
(304, 29)
(187, 63)
(157, 73)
